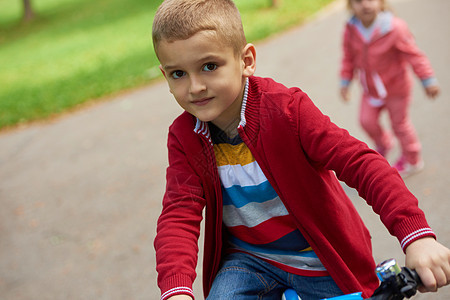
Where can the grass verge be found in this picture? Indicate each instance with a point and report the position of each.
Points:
(78, 50)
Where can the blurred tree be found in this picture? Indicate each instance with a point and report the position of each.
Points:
(274, 3)
(28, 12)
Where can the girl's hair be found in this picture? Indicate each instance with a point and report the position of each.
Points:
(181, 19)
(384, 5)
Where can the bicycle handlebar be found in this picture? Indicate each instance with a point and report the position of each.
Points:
(396, 283)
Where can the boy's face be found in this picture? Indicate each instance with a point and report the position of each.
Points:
(366, 10)
(206, 78)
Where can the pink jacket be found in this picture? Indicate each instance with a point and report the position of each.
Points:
(383, 61)
(296, 146)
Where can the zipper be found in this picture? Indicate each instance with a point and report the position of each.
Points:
(218, 213)
(380, 90)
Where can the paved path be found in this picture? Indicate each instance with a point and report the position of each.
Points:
(80, 195)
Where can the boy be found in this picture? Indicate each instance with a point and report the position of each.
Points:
(260, 157)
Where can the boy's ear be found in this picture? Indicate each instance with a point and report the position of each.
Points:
(249, 60)
(162, 70)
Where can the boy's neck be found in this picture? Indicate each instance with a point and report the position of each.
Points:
(230, 129)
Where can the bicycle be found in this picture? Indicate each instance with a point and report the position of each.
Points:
(396, 284)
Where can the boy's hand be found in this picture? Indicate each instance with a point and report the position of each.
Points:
(431, 260)
(344, 93)
(180, 297)
(432, 91)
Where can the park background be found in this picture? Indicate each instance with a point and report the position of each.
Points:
(82, 152)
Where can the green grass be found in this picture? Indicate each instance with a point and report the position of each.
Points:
(81, 50)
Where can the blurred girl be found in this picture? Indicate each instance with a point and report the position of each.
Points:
(381, 47)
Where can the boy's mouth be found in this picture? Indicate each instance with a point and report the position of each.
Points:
(202, 101)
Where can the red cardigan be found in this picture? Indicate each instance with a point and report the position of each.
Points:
(296, 146)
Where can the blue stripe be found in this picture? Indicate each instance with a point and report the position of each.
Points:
(240, 196)
(260, 249)
(291, 241)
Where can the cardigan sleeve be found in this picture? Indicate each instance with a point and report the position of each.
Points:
(362, 168)
(347, 62)
(410, 52)
(178, 227)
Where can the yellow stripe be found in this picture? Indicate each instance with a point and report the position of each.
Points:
(306, 249)
(227, 154)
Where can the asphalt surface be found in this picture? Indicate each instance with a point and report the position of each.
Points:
(80, 194)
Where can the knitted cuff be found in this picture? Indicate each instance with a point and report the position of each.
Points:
(177, 291)
(429, 81)
(176, 285)
(412, 229)
(345, 82)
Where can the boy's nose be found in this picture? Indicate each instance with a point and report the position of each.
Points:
(197, 85)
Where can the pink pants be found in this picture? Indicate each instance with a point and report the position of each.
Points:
(398, 109)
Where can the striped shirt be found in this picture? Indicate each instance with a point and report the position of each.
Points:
(254, 214)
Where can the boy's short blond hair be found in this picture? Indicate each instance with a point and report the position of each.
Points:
(181, 19)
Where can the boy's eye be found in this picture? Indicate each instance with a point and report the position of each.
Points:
(178, 74)
(209, 67)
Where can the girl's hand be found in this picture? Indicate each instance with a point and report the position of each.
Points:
(432, 91)
(344, 93)
(431, 260)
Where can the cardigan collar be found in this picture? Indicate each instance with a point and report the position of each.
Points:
(382, 24)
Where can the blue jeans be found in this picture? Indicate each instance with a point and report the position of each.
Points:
(244, 277)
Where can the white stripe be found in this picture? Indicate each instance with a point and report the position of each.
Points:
(415, 234)
(248, 175)
(381, 89)
(295, 261)
(202, 128)
(198, 125)
(205, 129)
(244, 105)
(303, 263)
(363, 79)
(177, 290)
(253, 213)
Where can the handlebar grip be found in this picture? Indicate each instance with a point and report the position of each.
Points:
(411, 281)
(414, 275)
